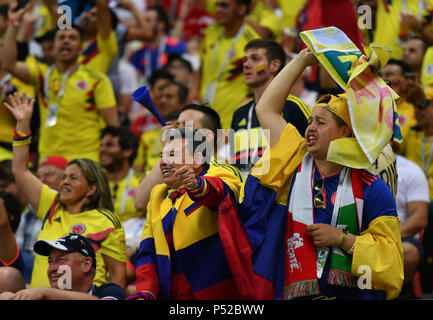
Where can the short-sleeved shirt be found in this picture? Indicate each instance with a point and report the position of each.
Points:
(98, 54)
(76, 133)
(231, 89)
(412, 186)
(102, 227)
(295, 112)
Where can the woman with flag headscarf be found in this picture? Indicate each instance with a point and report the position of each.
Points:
(323, 229)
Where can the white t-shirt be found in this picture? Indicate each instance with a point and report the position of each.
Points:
(412, 186)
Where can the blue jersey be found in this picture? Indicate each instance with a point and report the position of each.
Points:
(17, 263)
(373, 188)
(158, 55)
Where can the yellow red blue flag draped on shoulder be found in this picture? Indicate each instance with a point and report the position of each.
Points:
(372, 103)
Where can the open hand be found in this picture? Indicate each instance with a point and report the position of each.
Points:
(21, 107)
(17, 15)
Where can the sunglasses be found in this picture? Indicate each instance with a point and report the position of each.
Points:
(319, 199)
(223, 5)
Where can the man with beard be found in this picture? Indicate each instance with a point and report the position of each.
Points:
(116, 154)
(73, 99)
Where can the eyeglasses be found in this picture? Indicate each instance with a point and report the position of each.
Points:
(223, 5)
(319, 199)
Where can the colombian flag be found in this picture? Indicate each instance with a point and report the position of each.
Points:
(372, 103)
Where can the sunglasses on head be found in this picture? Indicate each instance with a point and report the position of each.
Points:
(319, 199)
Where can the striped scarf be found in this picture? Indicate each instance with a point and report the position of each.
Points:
(300, 254)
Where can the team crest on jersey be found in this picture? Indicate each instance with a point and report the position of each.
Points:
(402, 119)
(82, 85)
(78, 228)
(131, 192)
(334, 195)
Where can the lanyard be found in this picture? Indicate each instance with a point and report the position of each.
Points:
(250, 160)
(62, 89)
(426, 166)
(211, 87)
(229, 53)
(125, 191)
(405, 9)
(3, 82)
(148, 57)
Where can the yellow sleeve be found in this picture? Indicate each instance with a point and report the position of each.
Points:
(277, 165)
(153, 228)
(45, 201)
(104, 94)
(380, 250)
(36, 69)
(114, 246)
(108, 47)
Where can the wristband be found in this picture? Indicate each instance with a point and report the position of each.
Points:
(21, 135)
(21, 142)
(343, 240)
(15, 23)
(350, 252)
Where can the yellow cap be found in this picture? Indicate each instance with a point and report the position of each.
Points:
(337, 104)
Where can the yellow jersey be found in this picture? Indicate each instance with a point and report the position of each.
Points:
(102, 227)
(406, 117)
(74, 131)
(123, 194)
(420, 150)
(9, 85)
(98, 54)
(149, 150)
(388, 27)
(290, 10)
(222, 83)
(264, 16)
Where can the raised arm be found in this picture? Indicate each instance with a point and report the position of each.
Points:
(9, 57)
(104, 19)
(53, 7)
(28, 183)
(8, 245)
(272, 102)
(142, 195)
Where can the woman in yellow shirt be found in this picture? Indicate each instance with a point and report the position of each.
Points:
(82, 205)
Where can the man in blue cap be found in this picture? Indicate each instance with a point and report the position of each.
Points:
(72, 265)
